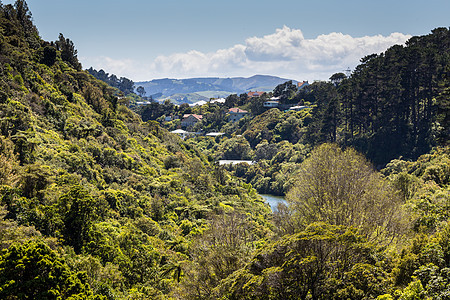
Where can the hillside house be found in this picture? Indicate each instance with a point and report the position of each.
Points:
(302, 84)
(215, 134)
(236, 114)
(254, 94)
(273, 102)
(190, 120)
(183, 134)
(298, 107)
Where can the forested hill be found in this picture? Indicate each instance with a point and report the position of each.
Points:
(95, 203)
(393, 104)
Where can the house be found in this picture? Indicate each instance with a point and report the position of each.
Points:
(215, 134)
(190, 120)
(236, 114)
(170, 118)
(183, 134)
(273, 102)
(254, 94)
(298, 108)
(302, 84)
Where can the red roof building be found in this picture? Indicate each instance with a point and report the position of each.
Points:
(302, 84)
(254, 94)
(190, 120)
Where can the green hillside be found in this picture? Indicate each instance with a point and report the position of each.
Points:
(115, 201)
(97, 204)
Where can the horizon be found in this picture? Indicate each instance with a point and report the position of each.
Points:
(211, 77)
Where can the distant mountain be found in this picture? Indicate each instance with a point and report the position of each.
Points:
(193, 88)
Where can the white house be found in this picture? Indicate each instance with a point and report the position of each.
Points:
(215, 134)
(298, 108)
(271, 103)
(236, 114)
(182, 133)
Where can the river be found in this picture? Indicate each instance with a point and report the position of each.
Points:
(273, 200)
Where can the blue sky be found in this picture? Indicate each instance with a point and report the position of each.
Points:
(302, 40)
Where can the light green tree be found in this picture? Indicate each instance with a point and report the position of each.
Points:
(341, 187)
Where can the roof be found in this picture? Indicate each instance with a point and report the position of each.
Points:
(254, 94)
(302, 84)
(236, 110)
(198, 117)
(215, 134)
(179, 131)
(299, 107)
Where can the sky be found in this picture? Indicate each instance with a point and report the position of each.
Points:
(300, 40)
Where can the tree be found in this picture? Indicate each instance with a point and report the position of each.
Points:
(337, 78)
(68, 51)
(285, 90)
(141, 91)
(78, 218)
(34, 271)
(236, 148)
(232, 100)
(49, 55)
(126, 85)
(222, 249)
(341, 188)
(312, 264)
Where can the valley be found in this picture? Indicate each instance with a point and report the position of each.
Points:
(108, 194)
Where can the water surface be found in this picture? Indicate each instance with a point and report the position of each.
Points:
(273, 200)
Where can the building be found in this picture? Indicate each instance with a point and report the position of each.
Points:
(183, 134)
(254, 94)
(236, 114)
(215, 134)
(302, 84)
(273, 102)
(298, 107)
(190, 120)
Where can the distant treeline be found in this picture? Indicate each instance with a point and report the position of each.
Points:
(123, 84)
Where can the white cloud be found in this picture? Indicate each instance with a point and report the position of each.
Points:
(284, 53)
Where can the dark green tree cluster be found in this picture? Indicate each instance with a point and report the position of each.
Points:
(393, 104)
(123, 84)
(34, 271)
(68, 52)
